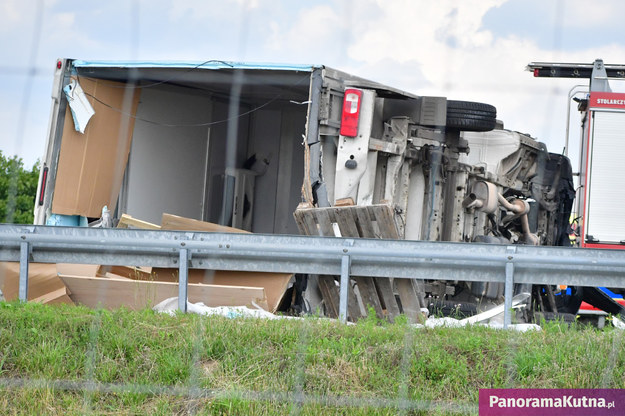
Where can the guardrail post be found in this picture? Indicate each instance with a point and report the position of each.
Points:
(509, 287)
(346, 262)
(344, 287)
(23, 287)
(183, 279)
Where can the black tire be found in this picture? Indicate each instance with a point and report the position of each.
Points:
(455, 105)
(471, 116)
(451, 308)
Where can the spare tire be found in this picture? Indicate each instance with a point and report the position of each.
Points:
(470, 116)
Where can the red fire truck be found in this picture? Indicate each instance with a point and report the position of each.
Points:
(600, 201)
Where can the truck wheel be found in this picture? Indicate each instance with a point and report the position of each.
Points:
(470, 116)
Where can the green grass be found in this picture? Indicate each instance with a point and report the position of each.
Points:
(69, 360)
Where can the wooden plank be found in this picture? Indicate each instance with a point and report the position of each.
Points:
(409, 301)
(364, 223)
(346, 222)
(345, 202)
(302, 226)
(366, 287)
(384, 216)
(384, 289)
(353, 307)
(325, 224)
(96, 292)
(174, 222)
(306, 222)
(369, 295)
(387, 297)
(358, 221)
(381, 286)
(330, 294)
(419, 288)
(127, 221)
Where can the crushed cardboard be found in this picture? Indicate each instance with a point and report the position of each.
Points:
(274, 284)
(137, 287)
(111, 293)
(43, 283)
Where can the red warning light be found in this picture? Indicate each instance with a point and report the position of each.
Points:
(351, 112)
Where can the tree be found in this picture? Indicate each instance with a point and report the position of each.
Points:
(18, 190)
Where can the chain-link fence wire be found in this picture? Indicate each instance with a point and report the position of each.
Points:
(192, 390)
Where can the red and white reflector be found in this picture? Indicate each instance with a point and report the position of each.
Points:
(351, 112)
(44, 181)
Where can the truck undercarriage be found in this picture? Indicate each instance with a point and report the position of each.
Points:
(448, 172)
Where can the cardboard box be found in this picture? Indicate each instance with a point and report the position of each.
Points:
(44, 284)
(91, 165)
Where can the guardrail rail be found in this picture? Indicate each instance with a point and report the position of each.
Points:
(346, 257)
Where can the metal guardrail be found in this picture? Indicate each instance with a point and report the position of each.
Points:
(346, 257)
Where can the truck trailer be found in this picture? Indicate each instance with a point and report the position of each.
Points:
(287, 149)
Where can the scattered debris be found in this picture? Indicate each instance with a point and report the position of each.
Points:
(113, 286)
(618, 323)
(44, 284)
(170, 306)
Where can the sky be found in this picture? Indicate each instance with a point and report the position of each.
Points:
(474, 50)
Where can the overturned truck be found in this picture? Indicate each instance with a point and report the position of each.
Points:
(305, 149)
(433, 169)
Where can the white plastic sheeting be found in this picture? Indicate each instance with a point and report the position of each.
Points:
(81, 108)
(170, 306)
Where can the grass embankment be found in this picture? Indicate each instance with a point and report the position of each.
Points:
(71, 360)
